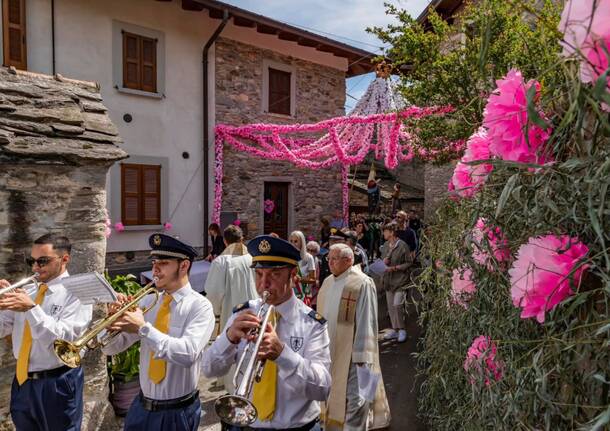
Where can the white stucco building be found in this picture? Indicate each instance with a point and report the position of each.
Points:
(149, 58)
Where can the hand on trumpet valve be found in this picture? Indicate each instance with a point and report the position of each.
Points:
(243, 327)
(4, 283)
(17, 300)
(116, 306)
(271, 347)
(130, 321)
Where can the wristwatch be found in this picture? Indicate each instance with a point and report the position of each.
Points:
(144, 330)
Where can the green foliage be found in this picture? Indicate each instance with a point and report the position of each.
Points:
(126, 365)
(457, 65)
(557, 374)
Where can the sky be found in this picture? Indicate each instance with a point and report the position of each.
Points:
(343, 20)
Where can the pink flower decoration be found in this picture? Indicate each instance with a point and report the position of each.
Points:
(462, 287)
(269, 206)
(585, 27)
(119, 227)
(506, 119)
(491, 238)
(540, 276)
(167, 225)
(481, 361)
(237, 222)
(468, 179)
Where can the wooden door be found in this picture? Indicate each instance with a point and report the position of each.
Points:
(277, 220)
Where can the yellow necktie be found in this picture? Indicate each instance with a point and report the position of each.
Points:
(156, 367)
(23, 360)
(265, 390)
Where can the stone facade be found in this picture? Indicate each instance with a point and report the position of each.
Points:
(436, 180)
(320, 94)
(56, 145)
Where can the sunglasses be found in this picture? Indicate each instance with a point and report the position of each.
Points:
(41, 261)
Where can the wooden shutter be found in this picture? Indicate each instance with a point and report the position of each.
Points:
(279, 91)
(149, 64)
(140, 194)
(13, 33)
(139, 62)
(131, 61)
(151, 194)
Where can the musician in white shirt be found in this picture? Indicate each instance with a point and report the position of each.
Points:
(172, 336)
(45, 394)
(297, 371)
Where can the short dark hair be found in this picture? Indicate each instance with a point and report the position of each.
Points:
(233, 234)
(214, 227)
(392, 226)
(59, 242)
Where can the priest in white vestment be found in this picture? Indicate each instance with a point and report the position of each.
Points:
(348, 301)
(230, 280)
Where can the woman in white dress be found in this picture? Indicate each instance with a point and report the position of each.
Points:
(307, 267)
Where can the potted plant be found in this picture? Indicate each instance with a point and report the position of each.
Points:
(124, 368)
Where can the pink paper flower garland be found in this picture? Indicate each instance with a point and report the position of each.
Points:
(345, 141)
(481, 362)
(541, 275)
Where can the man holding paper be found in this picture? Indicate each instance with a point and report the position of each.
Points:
(348, 300)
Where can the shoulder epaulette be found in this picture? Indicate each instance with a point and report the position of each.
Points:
(242, 306)
(317, 317)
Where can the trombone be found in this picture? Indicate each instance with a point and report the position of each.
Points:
(31, 279)
(236, 409)
(69, 351)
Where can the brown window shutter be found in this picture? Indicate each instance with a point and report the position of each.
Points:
(279, 91)
(151, 194)
(132, 68)
(130, 194)
(13, 25)
(149, 64)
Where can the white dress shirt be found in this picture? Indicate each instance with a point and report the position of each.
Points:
(191, 323)
(61, 315)
(303, 366)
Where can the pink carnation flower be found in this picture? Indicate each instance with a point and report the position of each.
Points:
(468, 179)
(481, 361)
(237, 222)
(119, 227)
(491, 238)
(167, 225)
(462, 287)
(540, 276)
(506, 119)
(585, 27)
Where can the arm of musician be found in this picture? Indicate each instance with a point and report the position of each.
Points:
(218, 358)
(120, 343)
(365, 337)
(72, 320)
(215, 283)
(184, 350)
(309, 373)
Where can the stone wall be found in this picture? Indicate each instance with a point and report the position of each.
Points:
(320, 94)
(436, 179)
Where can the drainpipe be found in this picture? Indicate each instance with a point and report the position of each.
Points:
(206, 131)
(53, 35)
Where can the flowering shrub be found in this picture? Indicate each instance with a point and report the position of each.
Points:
(489, 238)
(481, 363)
(462, 287)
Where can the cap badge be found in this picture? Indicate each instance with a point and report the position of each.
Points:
(157, 240)
(264, 246)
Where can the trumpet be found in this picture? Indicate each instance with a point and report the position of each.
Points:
(69, 351)
(31, 279)
(236, 409)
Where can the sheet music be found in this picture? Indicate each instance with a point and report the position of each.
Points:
(90, 288)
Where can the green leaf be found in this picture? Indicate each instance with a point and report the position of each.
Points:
(602, 420)
(508, 188)
(532, 112)
(601, 84)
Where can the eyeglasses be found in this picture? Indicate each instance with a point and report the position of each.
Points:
(41, 261)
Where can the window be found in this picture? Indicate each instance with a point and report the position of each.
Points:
(279, 88)
(139, 62)
(13, 33)
(279, 91)
(140, 194)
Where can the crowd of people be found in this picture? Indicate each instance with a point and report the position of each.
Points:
(320, 354)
